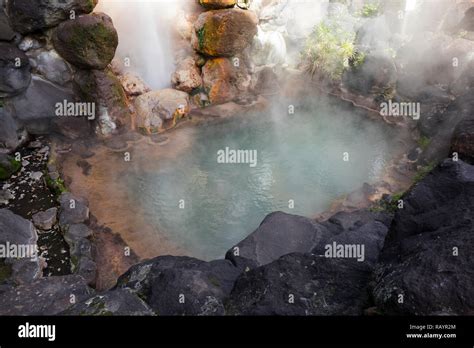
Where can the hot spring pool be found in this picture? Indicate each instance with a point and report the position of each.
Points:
(206, 207)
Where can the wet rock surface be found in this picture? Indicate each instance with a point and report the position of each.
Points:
(15, 69)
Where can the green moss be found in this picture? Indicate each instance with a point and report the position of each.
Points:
(423, 171)
(387, 206)
(201, 34)
(56, 186)
(424, 142)
(6, 171)
(97, 38)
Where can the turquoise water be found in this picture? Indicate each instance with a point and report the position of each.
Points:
(300, 157)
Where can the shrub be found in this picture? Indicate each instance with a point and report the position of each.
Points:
(328, 50)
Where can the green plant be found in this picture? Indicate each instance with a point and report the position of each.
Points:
(56, 186)
(424, 142)
(328, 50)
(369, 10)
(423, 171)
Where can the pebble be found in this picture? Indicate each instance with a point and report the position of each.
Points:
(36, 175)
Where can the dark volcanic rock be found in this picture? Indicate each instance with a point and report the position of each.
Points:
(6, 32)
(17, 231)
(116, 302)
(426, 265)
(302, 284)
(182, 285)
(35, 109)
(45, 296)
(15, 69)
(10, 134)
(280, 234)
(358, 228)
(463, 140)
(27, 16)
(376, 75)
(88, 42)
(74, 210)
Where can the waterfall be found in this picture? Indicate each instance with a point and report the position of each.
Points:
(145, 29)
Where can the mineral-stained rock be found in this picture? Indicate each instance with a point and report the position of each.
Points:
(133, 85)
(302, 284)
(45, 296)
(182, 285)
(88, 42)
(280, 234)
(27, 16)
(224, 33)
(217, 4)
(159, 110)
(74, 210)
(17, 231)
(463, 140)
(116, 302)
(45, 220)
(15, 69)
(426, 266)
(219, 78)
(187, 76)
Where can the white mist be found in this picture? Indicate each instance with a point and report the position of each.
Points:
(145, 29)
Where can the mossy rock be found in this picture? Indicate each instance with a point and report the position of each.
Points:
(88, 42)
(8, 167)
(224, 33)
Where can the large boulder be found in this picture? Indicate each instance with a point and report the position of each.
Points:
(27, 16)
(224, 33)
(104, 89)
(17, 231)
(35, 109)
(15, 69)
(182, 285)
(187, 76)
(362, 227)
(88, 42)
(463, 140)
(159, 110)
(217, 4)
(426, 266)
(45, 296)
(302, 284)
(280, 234)
(121, 302)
